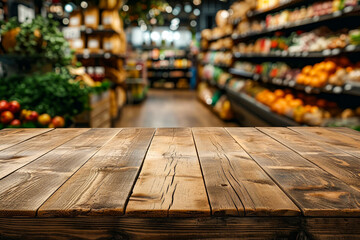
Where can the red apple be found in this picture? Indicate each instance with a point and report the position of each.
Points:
(15, 123)
(32, 117)
(6, 117)
(4, 105)
(14, 106)
(58, 122)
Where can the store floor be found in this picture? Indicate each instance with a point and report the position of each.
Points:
(170, 108)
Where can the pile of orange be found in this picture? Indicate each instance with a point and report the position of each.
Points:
(279, 101)
(317, 75)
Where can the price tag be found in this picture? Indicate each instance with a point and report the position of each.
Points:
(337, 14)
(347, 87)
(292, 84)
(88, 30)
(326, 52)
(256, 77)
(308, 89)
(71, 32)
(337, 90)
(305, 54)
(335, 51)
(316, 18)
(328, 87)
(350, 48)
(284, 53)
(348, 9)
(25, 13)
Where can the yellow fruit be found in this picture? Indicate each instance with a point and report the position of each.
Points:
(44, 119)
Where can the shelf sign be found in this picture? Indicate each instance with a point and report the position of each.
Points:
(71, 32)
(25, 13)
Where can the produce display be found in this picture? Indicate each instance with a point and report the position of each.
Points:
(334, 71)
(296, 15)
(319, 39)
(301, 107)
(216, 100)
(215, 74)
(13, 116)
(217, 58)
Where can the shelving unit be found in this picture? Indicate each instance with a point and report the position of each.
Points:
(348, 11)
(348, 88)
(247, 109)
(257, 110)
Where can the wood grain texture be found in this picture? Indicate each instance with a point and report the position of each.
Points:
(152, 228)
(340, 164)
(10, 137)
(346, 131)
(103, 185)
(315, 191)
(24, 191)
(23, 153)
(170, 182)
(332, 139)
(234, 182)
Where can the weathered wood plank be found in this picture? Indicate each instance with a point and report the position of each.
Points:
(23, 153)
(233, 179)
(333, 139)
(25, 190)
(13, 136)
(103, 185)
(346, 131)
(315, 191)
(336, 162)
(170, 182)
(154, 228)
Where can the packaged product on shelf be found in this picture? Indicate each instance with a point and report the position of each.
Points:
(115, 75)
(93, 44)
(78, 44)
(111, 20)
(76, 19)
(110, 4)
(91, 17)
(112, 43)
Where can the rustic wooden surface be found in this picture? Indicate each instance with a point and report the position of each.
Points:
(180, 183)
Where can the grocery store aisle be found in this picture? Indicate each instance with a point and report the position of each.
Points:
(170, 108)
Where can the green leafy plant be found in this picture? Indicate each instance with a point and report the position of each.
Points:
(40, 39)
(52, 93)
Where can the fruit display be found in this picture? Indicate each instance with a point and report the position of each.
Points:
(292, 16)
(301, 107)
(217, 58)
(216, 100)
(12, 116)
(319, 39)
(335, 71)
(268, 69)
(215, 74)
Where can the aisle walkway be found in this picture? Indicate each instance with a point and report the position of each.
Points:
(167, 108)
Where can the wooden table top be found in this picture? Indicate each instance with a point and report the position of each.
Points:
(180, 172)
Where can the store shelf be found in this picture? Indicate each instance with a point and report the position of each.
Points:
(219, 50)
(348, 88)
(168, 69)
(350, 49)
(278, 7)
(216, 65)
(259, 109)
(167, 77)
(135, 81)
(167, 58)
(99, 30)
(218, 38)
(99, 55)
(348, 11)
